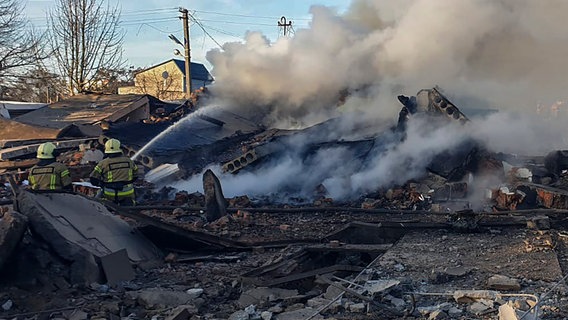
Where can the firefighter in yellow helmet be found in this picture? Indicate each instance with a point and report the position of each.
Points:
(49, 174)
(115, 175)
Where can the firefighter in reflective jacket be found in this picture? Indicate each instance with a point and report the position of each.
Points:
(115, 174)
(49, 174)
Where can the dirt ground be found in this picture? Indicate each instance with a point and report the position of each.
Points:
(434, 260)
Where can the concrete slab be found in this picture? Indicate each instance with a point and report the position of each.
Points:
(117, 267)
(81, 231)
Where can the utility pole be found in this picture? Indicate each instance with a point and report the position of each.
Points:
(285, 25)
(185, 20)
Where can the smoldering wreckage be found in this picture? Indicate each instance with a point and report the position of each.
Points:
(440, 242)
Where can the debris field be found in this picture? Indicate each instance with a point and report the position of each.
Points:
(436, 246)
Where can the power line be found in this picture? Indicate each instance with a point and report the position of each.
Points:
(147, 21)
(124, 22)
(153, 10)
(240, 23)
(246, 23)
(222, 31)
(205, 31)
(245, 15)
(156, 28)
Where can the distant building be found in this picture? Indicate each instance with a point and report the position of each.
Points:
(166, 80)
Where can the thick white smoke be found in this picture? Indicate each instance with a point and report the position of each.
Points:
(506, 54)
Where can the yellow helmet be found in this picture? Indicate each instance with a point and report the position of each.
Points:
(45, 151)
(112, 146)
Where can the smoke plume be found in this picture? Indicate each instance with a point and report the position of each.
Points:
(503, 54)
(510, 53)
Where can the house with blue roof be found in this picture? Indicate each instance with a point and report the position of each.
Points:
(166, 81)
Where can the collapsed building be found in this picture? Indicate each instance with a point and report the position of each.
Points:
(427, 247)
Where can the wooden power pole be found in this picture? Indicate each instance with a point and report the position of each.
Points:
(187, 55)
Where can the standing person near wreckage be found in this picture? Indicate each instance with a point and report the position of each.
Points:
(115, 175)
(49, 174)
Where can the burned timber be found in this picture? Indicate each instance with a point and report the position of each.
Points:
(437, 245)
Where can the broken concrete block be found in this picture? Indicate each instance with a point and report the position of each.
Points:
(454, 312)
(6, 306)
(239, 315)
(156, 298)
(503, 283)
(221, 223)
(317, 302)
(399, 267)
(299, 314)
(215, 202)
(194, 293)
(179, 314)
(78, 315)
(294, 307)
(13, 225)
(371, 204)
(240, 202)
(332, 292)
(447, 274)
(538, 223)
(397, 302)
(112, 307)
(266, 315)
(427, 310)
(375, 286)
(117, 267)
(506, 312)
(183, 312)
(358, 307)
(261, 295)
(479, 307)
(276, 309)
(437, 315)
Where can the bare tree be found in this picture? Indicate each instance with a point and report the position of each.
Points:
(109, 80)
(85, 36)
(20, 48)
(36, 85)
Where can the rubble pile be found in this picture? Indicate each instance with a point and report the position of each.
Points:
(438, 246)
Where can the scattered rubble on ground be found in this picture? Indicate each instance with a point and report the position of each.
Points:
(416, 250)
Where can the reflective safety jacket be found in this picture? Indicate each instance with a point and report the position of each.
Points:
(116, 176)
(54, 176)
